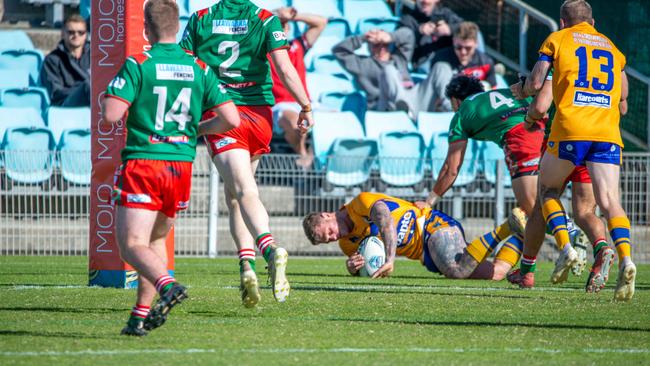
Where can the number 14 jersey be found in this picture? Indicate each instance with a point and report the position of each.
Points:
(234, 37)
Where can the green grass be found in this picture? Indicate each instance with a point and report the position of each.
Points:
(330, 318)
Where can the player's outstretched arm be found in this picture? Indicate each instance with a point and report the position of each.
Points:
(113, 109)
(535, 81)
(289, 77)
(226, 119)
(380, 216)
(448, 172)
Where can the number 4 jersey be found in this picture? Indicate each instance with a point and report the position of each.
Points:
(586, 84)
(234, 37)
(167, 91)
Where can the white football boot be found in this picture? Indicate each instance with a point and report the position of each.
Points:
(562, 266)
(250, 291)
(277, 272)
(625, 283)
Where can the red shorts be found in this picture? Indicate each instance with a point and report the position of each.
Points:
(522, 150)
(579, 175)
(156, 185)
(253, 134)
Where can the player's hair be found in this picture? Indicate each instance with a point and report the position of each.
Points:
(161, 17)
(466, 31)
(575, 11)
(462, 86)
(309, 223)
(74, 18)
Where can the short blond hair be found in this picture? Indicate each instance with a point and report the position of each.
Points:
(466, 31)
(575, 11)
(161, 17)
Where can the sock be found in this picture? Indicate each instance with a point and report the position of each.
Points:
(264, 243)
(246, 255)
(164, 283)
(510, 251)
(556, 220)
(528, 264)
(599, 244)
(482, 246)
(619, 229)
(140, 311)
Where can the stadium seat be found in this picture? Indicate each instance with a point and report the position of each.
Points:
(385, 24)
(196, 5)
(322, 46)
(270, 4)
(431, 123)
(84, 8)
(74, 157)
(378, 122)
(318, 84)
(15, 40)
(17, 78)
(328, 64)
(354, 10)
(32, 97)
(438, 153)
(19, 117)
(332, 126)
(491, 155)
(401, 159)
(350, 162)
(354, 102)
(63, 118)
(337, 27)
(28, 154)
(31, 60)
(325, 8)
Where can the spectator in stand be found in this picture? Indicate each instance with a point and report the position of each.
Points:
(286, 110)
(462, 58)
(386, 49)
(431, 25)
(66, 70)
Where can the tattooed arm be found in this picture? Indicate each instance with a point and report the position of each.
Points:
(380, 216)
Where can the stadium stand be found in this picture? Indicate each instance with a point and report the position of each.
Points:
(327, 64)
(338, 28)
(438, 153)
(19, 117)
(15, 40)
(336, 125)
(354, 10)
(401, 159)
(319, 84)
(354, 102)
(385, 24)
(270, 4)
(431, 123)
(28, 155)
(18, 78)
(32, 97)
(350, 163)
(195, 5)
(378, 122)
(490, 156)
(74, 157)
(31, 60)
(60, 119)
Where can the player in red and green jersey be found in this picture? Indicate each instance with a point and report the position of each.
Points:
(234, 37)
(165, 91)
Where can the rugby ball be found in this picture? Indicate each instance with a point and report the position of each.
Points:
(374, 255)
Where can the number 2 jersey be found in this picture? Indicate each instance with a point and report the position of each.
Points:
(167, 91)
(586, 84)
(234, 37)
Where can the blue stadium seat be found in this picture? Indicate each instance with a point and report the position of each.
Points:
(491, 155)
(31, 60)
(354, 102)
(318, 84)
(438, 153)
(322, 46)
(328, 64)
(385, 24)
(337, 27)
(196, 5)
(378, 122)
(270, 4)
(354, 10)
(19, 117)
(74, 157)
(15, 40)
(28, 154)
(431, 123)
(33, 97)
(350, 162)
(84, 8)
(333, 126)
(401, 158)
(325, 8)
(64, 118)
(18, 78)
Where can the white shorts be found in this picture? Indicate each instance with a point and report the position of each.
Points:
(278, 109)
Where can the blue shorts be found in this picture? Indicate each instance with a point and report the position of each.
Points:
(432, 222)
(580, 152)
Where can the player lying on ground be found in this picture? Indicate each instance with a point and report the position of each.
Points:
(234, 37)
(165, 92)
(427, 235)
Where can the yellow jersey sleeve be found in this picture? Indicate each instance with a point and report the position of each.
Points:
(550, 46)
(348, 247)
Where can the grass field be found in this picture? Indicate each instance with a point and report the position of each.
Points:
(48, 316)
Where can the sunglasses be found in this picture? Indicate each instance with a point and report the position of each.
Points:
(466, 48)
(74, 32)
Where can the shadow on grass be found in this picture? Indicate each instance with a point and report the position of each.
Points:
(65, 310)
(496, 324)
(24, 333)
(389, 291)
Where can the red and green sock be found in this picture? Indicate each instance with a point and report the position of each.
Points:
(139, 312)
(164, 283)
(528, 264)
(264, 243)
(246, 255)
(599, 244)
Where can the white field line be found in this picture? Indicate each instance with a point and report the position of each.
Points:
(120, 352)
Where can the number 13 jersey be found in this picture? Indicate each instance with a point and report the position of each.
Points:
(587, 70)
(234, 37)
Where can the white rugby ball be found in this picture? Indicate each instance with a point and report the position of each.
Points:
(374, 255)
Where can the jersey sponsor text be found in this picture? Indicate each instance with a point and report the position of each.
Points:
(174, 72)
(233, 27)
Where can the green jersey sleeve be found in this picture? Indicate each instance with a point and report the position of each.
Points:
(275, 37)
(187, 42)
(126, 83)
(215, 94)
(456, 130)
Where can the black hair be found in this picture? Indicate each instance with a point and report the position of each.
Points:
(462, 86)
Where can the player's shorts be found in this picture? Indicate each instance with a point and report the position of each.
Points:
(579, 175)
(253, 134)
(278, 109)
(431, 224)
(522, 150)
(155, 185)
(580, 152)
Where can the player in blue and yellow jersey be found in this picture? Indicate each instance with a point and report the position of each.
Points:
(589, 91)
(427, 235)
